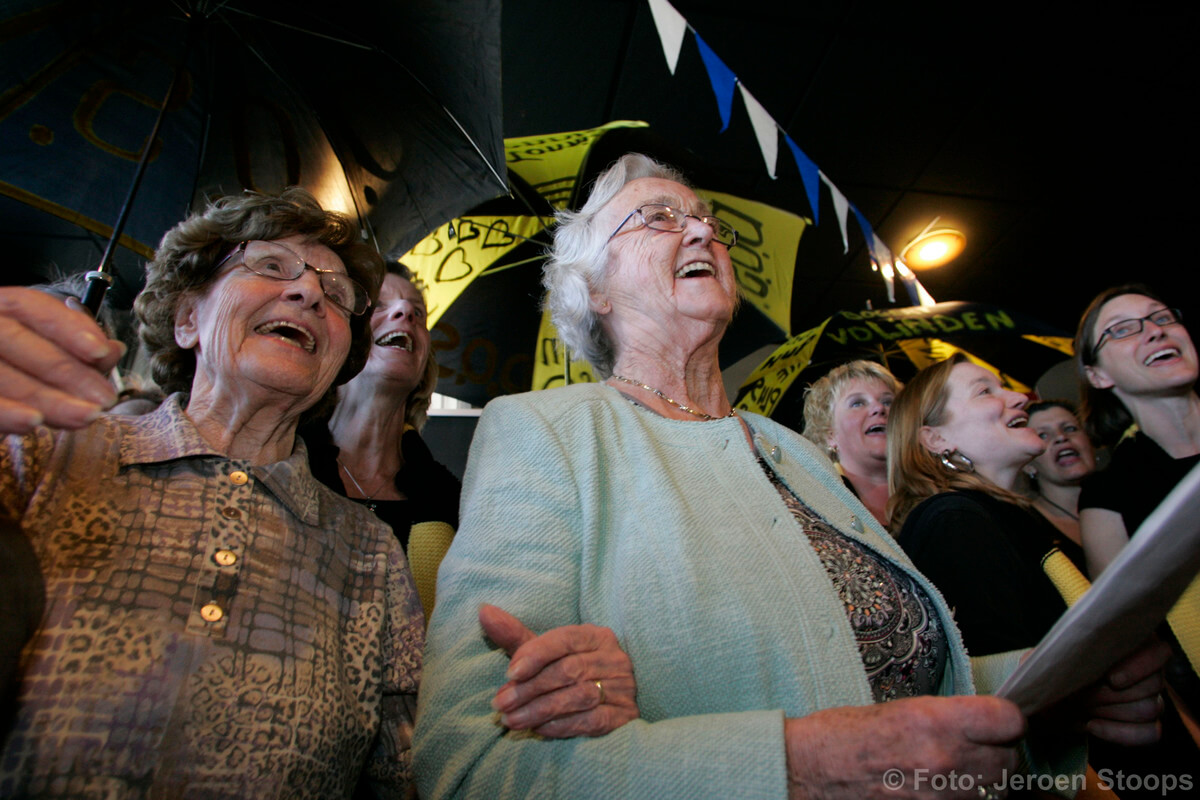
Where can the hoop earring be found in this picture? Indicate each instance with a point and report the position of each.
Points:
(964, 464)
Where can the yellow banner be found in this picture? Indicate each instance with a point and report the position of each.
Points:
(550, 363)
(551, 163)
(766, 385)
(447, 264)
(765, 257)
(1063, 344)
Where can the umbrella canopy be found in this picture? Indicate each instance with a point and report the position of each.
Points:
(482, 272)
(1016, 347)
(389, 113)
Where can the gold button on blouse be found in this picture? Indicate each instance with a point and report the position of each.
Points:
(238, 477)
(231, 513)
(225, 557)
(211, 612)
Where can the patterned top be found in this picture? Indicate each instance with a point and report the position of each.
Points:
(213, 629)
(901, 643)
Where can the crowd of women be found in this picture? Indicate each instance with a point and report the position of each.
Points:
(221, 621)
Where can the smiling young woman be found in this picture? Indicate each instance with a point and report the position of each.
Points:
(957, 441)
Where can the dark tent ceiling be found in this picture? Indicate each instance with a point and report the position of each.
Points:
(1055, 135)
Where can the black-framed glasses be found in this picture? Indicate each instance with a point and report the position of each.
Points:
(659, 217)
(1132, 327)
(279, 262)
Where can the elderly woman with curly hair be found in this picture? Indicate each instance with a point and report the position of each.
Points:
(217, 622)
(784, 646)
(846, 412)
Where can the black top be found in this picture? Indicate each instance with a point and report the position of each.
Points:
(985, 556)
(1140, 475)
(432, 489)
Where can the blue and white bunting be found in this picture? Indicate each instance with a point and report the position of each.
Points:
(671, 27)
(722, 79)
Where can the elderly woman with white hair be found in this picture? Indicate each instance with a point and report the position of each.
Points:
(782, 642)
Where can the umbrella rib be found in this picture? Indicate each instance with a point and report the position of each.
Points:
(470, 139)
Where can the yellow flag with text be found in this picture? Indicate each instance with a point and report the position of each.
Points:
(551, 163)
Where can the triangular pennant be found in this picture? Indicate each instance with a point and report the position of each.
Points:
(765, 129)
(671, 27)
(722, 79)
(811, 177)
(867, 232)
(883, 255)
(840, 206)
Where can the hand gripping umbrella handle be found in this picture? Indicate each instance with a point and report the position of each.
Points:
(98, 284)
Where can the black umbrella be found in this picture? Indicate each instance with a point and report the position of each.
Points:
(388, 111)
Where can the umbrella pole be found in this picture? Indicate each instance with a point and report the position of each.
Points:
(100, 279)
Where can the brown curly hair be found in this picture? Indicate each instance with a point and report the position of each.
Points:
(185, 264)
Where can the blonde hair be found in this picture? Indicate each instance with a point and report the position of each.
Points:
(822, 397)
(914, 473)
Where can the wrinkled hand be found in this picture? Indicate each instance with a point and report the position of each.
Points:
(1125, 705)
(53, 361)
(552, 678)
(893, 750)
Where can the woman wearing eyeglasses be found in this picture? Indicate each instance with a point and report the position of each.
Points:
(1138, 369)
(216, 621)
(783, 644)
(1138, 366)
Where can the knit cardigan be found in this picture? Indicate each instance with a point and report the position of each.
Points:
(580, 507)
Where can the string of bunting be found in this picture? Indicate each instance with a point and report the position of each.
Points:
(672, 29)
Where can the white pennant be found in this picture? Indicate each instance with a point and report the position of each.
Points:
(765, 129)
(671, 27)
(840, 206)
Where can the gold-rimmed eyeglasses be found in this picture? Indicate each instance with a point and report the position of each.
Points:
(660, 217)
(278, 262)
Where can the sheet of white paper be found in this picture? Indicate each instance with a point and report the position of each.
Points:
(1122, 608)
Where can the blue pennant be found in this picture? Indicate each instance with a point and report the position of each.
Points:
(722, 79)
(867, 232)
(810, 174)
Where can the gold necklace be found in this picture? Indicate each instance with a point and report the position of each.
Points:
(693, 411)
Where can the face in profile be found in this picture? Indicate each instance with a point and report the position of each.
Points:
(985, 422)
(1069, 456)
(860, 416)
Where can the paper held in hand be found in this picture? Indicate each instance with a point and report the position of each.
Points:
(1121, 609)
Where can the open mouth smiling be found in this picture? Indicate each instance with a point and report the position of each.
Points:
(289, 332)
(696, 269)
(1067, 453)
(878, 428)
(1019, 421)
(1165, 354)
(397, 339)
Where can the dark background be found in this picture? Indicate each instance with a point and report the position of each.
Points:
(1058, 137)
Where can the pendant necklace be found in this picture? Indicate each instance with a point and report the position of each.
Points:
(370, 502)
(1060, 508)
(693, 411)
